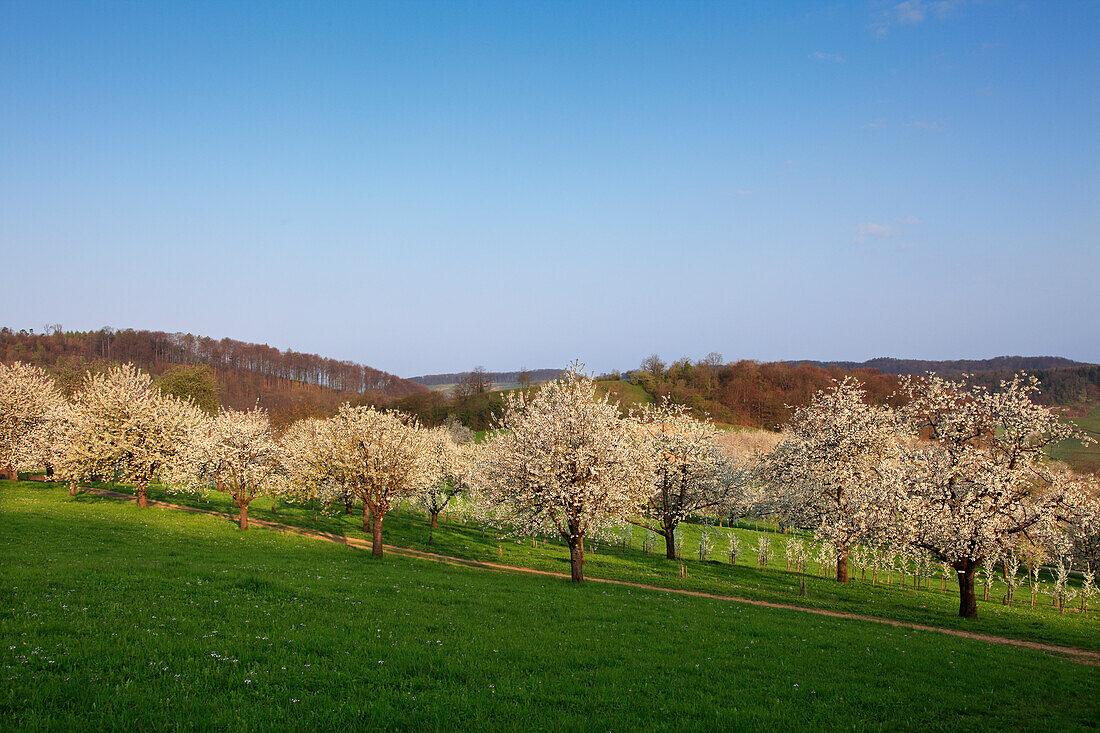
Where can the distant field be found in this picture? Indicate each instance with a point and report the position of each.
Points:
(627, 394)
(1081, 458)
(116, 617)
(497, 386)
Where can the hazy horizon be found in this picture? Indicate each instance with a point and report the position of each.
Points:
(428, 187)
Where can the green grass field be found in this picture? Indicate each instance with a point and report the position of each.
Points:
(625, 393)
(116, 617)
(933, 607)
(1078, 457)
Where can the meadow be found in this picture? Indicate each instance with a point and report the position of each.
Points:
(116, 617)
(1081, 457)
(406, 527)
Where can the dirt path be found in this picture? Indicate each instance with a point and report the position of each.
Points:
(1083, 656)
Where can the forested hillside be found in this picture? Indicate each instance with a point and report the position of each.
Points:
(288, 383)
(1006, 364)
(761, 394)
(292, 384)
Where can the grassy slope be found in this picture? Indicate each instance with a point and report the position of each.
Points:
(625, 393)
(774, 583)
(1081, 458)
(119, 617)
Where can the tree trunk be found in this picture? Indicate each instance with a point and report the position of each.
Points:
(376, 539)
(576, 559)
(143, 497)
(435, 520)
(670, 544)
(49, 470)
(347, 506)
(72, 488)
(968, 599)
(243, 514)
(366, 517)
(842, 566)
(11, 474)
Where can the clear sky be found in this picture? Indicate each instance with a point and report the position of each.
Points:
(426, 187)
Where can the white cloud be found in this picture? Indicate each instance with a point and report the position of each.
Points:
(871, 230)
(911, 12)
(823, 56)
(909, 220)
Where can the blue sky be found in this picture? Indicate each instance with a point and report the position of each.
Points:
(426, 187)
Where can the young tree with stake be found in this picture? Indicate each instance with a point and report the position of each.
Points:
(309, 475)
(52, 442)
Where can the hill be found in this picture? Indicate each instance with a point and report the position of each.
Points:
(499, 379)
(628, 394)
(289, 384)
(761, 393)
(1082, 457)
(888, 365)
(1063, 382)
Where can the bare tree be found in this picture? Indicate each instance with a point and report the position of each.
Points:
(653, 365)
(480, 381)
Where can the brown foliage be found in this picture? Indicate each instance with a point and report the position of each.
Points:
(287, 383)
(749, 392)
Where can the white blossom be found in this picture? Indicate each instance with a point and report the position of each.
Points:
(692, 475)
(236, 452)
(981, 481)
(565, 462)
(447, 471)
(831, 471)
(28, 402)
(126, 430)
(378, 457)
